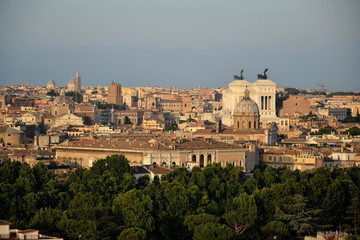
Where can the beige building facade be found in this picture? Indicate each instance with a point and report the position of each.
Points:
(262, 91)
(161, 151)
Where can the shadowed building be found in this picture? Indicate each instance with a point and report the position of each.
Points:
(62, 105)
(295, 105)
(115, 94)
(11, 136)
(77, 82)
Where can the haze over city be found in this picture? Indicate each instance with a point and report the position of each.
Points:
(184, 43)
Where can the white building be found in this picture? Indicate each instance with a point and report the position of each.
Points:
(262, 91)
(68, 119)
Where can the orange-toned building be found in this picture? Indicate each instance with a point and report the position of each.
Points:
(295, 105)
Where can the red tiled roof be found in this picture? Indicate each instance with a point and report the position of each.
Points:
(157, 169)
(28, 231)
(3, 222)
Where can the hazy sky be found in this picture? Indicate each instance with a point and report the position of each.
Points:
(183, 43)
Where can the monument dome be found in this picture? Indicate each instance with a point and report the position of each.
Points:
(246, 113)
(246, 105)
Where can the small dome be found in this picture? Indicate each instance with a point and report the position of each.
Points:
(71, 81)
(246, 105)
(62, 99)
(51, 82)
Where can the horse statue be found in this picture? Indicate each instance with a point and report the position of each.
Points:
(241, 77)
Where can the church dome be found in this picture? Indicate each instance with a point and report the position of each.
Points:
(62, 99)
(71, 82)
(246, 105)
(51, 82)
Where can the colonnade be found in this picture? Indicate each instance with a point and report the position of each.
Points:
(266, 103)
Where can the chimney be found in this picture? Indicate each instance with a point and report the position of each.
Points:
(218, 126)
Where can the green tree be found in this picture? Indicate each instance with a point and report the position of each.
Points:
(213, 231)
(301, 218)
(354, 131)
(143, 181)
(45, 219)
(276, 230)
(243, 213)
(334, 204)
(135, 209)
(76, 96)
(326, 130)
(192, 221)
(133, 233)
(108, 106)
(86, 120)
(127, 120)
(117, 164)
(52, 93)
(171, 127)
(352, 218)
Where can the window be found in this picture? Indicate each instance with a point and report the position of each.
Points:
(269, 158)
(274, 159)
(280, 159)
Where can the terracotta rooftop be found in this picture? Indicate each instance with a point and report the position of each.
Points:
(6, 129)
(139, 170)
(328, 141)
(157, 169)
(3, 222)
(344, 150)
(28, 231)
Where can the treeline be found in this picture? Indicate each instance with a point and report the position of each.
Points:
(107, 202)
(297, 91)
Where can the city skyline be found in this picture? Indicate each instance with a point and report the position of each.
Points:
(183, 44)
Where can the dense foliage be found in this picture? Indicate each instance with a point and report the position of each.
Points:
(297, 91)
(108, 106)
(52, 93)
(351, 119)
(171, 127)
(325, 130)
(354, 131)
(107, 202)
(76, 96)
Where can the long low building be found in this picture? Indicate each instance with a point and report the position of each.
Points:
(162, 151)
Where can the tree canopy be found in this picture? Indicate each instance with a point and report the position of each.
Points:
(106, 201)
